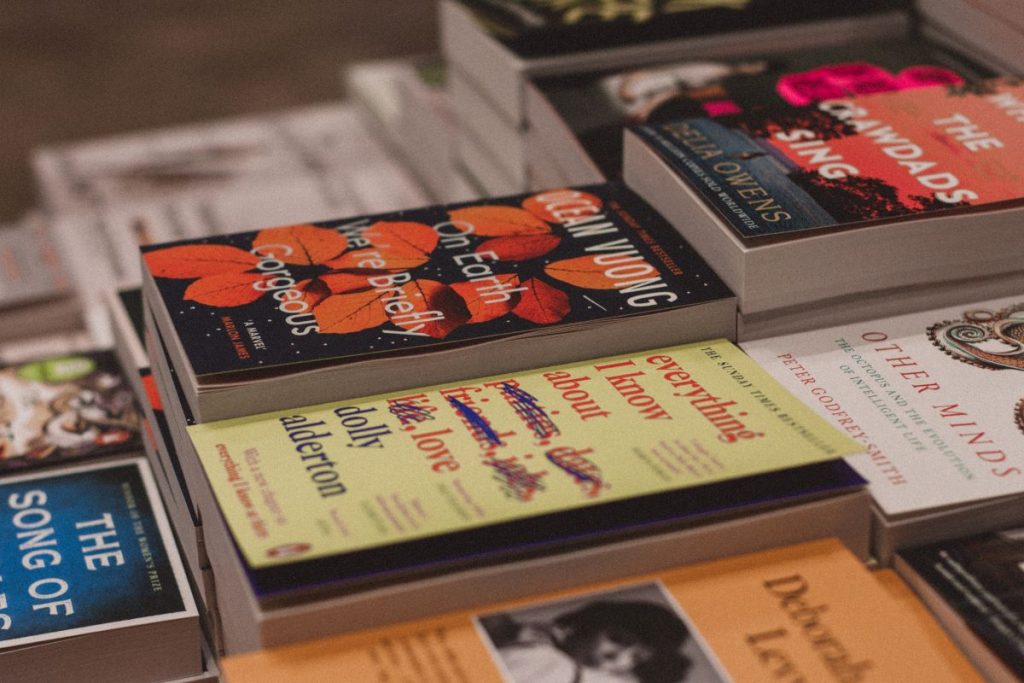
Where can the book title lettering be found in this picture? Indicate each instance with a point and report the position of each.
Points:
(770, 646)
(37, 542)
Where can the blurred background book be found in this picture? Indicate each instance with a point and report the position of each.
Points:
(75, 70)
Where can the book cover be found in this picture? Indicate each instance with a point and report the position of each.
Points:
(30, 267)
(412, 280)
(808, 612)
(980, 578)
(595, 107)
(935, 399)
(71, 406)
(476, 461)
(541, 28)
(853, 160)
(87, 549)
(201, 158)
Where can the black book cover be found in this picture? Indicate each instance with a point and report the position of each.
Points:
(982, 579)
(408, 281)
(596, 106)
(540, 28)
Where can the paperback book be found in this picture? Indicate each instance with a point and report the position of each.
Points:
(503, 470)
(35, 290)
(498, 43)
(304, 148)
(973, 585)
(806, 612)
(409, 108)
(769, 193)
(58, 409)
(937, 403)
(334, 309)
(93, 579)
(533, 28)
(580, 117)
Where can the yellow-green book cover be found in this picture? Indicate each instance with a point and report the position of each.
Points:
(509, 461)
(809, 612)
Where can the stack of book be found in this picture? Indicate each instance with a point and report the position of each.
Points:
(92, 579)
(36, 296)
(529, 411)
(885, 201)
(807, 612)
(991, 29)
(408, 106)
(576, 121)
(532, 473)
(494, 49)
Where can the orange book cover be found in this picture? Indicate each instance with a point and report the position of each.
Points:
(810, 612)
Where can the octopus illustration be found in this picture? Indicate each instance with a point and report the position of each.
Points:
(985, 339)
(1018, 414)
(65, 420)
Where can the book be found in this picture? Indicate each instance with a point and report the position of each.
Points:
(973, 586)
(528, 474)
(993, 29)
(52, 345)
(802, 612)
(840, 193)
(126, 314)
(487, 143)
(935, 398)
(35, 291)
(341, 308)
(54, 410)
(498, 43)
(92, 582)
(579, 118)
(408, 106)
(859, 307)
(304, 149)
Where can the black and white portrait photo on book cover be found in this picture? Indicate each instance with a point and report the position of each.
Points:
(632, 634)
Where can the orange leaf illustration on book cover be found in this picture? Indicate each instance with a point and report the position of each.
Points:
(198, 260)
(399, 245)
(313, 292)
(542, 304)
(582, 271)
(519, 248)
(346, 313)
(225, 289)
(302, 245)
(398, 281)
(499, 221)
(342, 282)
(437, 310)
(486, 303)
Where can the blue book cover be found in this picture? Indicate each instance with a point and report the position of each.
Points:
(85, 550)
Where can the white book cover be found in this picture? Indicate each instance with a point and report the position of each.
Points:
(937, 399)
(30, 268)
(311, 144)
